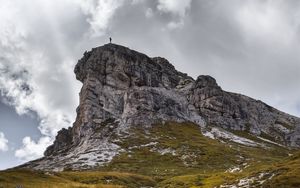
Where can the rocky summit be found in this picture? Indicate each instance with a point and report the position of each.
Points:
(131, 104)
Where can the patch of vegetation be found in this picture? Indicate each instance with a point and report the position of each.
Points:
(86, 179)
(33, 179)
(115, 178)
(174, 155)
(180, 148)
(285, 174)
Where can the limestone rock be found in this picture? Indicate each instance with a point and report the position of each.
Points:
(239, 112)
(124, 88)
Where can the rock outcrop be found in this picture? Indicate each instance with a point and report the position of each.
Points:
(124, 88)
(238, 112)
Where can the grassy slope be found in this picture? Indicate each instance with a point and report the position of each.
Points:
(199, 162)
(87, 179)
(286, 174)
(204, 154)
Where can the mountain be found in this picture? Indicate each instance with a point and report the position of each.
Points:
(140, 115)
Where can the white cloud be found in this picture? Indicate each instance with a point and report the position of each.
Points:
(177, 8)
(267, 21)
(174, 6)
(31, 149)
(175, 25)
(3, 142)
(37, 59)
(32, 76)
(149, 13)
(100, 12)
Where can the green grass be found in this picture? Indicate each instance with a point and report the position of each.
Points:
(184, 139)
(27, 178)
(286, 175)
(199, 162)
(87, 179)
(115, 178)
(208, 155)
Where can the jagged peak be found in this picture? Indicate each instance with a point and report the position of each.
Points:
(131, 67)
(102, 53)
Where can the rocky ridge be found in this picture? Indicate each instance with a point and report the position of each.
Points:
(123, 88)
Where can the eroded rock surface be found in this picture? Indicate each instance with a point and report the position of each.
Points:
(238, 112)
(124, 88)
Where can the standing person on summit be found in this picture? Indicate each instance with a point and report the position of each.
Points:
(109, 39)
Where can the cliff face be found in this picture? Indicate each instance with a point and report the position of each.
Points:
(238, 112)
(126, 86)
(123, 88)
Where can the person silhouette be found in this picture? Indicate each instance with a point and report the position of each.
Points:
(109, 39)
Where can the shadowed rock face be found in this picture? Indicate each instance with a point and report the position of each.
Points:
(124, 88)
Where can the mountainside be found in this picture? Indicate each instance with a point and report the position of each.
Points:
(139, 114)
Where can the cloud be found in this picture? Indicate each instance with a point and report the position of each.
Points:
(149, 13)
(270, 33)
(38, 54)
(100, 12)
(3, 142)
(36, 68)
(268, 20)
(175, 25)
(31, 149)
(176, 8)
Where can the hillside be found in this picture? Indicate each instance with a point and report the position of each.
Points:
(142, 123)
(214, 165)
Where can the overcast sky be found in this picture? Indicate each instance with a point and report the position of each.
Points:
(251, 47)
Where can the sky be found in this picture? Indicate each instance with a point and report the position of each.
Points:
(250, 46)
